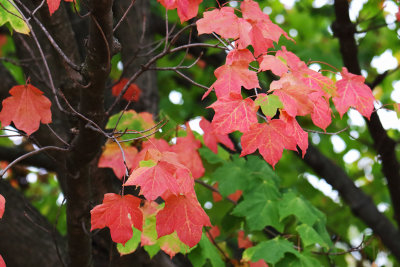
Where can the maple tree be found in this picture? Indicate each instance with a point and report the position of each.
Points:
(139, 184)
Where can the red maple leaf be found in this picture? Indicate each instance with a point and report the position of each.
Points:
(294, 130)
(221, 21)
(112, 158)
(263, 32)
(2, 205)
(2, 263)
(353, 92)
(132, 94)
(211, 138)
(231, 78)
(321, 114)
(234, 196)
(233, 113)
(152, 143)
(54, 5)
(187, 9)
(184, 215)
(260, 263)
(186, 148)
(243, 241)
(27, 107)
(167, 174)
(269, 138)
(118, 213)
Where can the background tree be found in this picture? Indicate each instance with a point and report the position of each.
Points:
(81, 51)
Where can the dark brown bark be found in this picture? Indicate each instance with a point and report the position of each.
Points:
(344, 30)
(360, 203)
(27, 238)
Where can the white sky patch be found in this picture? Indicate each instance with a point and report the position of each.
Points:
(267, 10)
(390, 9)
(386, 61)
(354, 134)
(338, 144)
(208, 205)
(355, 8)
(175, 97)
(396, 92)
(389, 119)
(382, 260)
(195, 125)
(382, 207)
(288, 4)
(351, 156)
(31, 178)
(330, 30)
(279, 19)
(293, 33)
(322, 186)
(233, 4)
(315, 66)
(364, 73)
(60, 199)
(315, 138)
(17, 140)
(355, 118)
(173, 140)
(321, 3)
(120, 66)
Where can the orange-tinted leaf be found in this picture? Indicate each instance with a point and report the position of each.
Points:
(243, 241)
(353, 92)
(55, 4)
(268, 62)
(187, 9)
(168, 174)
(152, 143)
(186, 148)
(294, 95)
(27, 107)
(211, 138)
(2, 205)
(233, 113)
(184, 215)
(118, 213)
(269, 138)
(239, 55)
(112, 158)
(132, 94)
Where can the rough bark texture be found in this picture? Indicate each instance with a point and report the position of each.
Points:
(344, 30)
(27, 238)
(361, 204)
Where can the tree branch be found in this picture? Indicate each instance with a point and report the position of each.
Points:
(344, 30)
(360, 204)
(25, 232)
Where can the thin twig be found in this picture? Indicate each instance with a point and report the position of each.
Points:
(215, 190)
(27, 155)
(124, 16)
